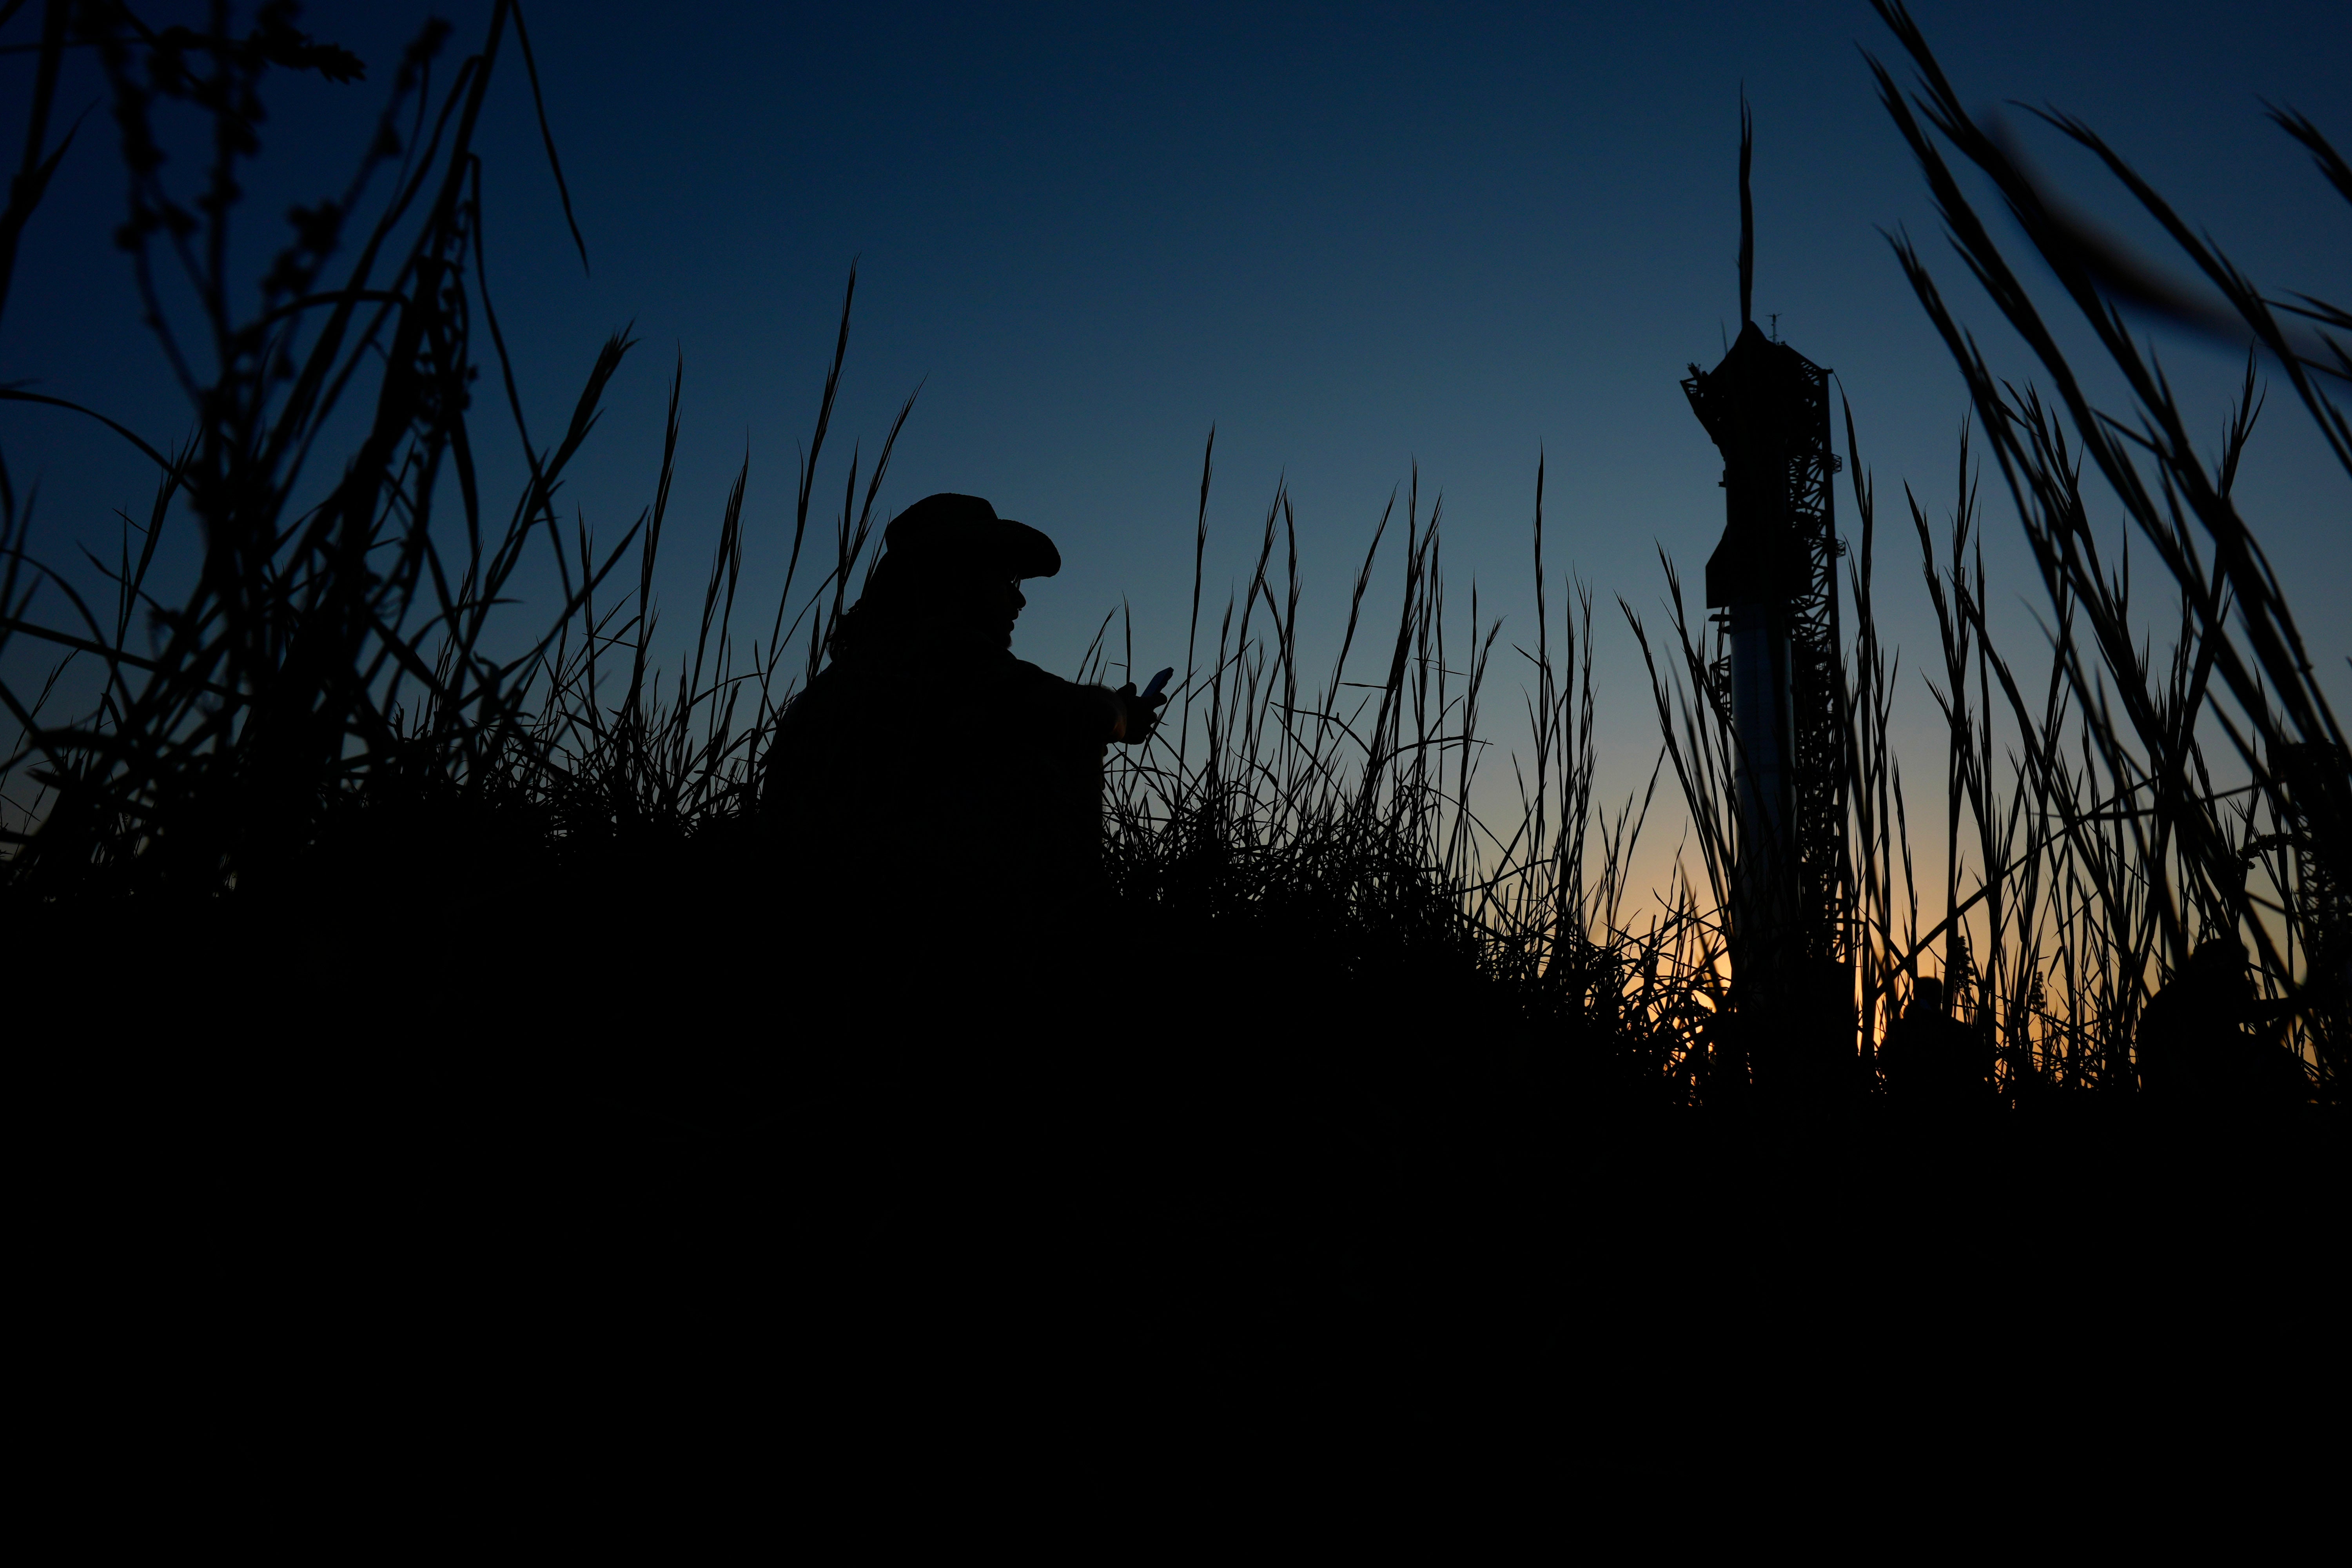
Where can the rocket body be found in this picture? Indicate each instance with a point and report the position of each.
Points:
(1759, 718)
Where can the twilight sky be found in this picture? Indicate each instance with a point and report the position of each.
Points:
(1352, 237)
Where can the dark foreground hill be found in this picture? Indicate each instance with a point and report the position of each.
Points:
(698, 1186)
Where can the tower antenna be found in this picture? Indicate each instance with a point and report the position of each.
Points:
(1747, 210)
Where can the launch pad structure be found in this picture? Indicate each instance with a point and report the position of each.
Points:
(1773, 579)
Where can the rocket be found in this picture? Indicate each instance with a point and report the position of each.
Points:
(1758, 406)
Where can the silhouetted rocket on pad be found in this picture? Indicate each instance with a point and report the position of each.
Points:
(1773, 578)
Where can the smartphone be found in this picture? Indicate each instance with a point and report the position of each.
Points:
(1158, 683)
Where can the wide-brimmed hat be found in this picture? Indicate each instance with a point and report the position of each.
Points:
(953, 530)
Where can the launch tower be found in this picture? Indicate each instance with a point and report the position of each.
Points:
(1773, 579)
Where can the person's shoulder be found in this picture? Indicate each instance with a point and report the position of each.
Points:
(825, 688)
(839, 694)
(2164, 1008)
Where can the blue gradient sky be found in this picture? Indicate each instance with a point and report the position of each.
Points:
(1351, 237)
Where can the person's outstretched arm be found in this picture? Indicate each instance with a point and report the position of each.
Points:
(1094, 713)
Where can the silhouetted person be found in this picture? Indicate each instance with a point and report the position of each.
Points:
(927, 771)
(2193, 1047)
(1931, 1060)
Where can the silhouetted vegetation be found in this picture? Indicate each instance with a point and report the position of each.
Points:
(330, 790)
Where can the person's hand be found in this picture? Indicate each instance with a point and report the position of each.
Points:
(1139, 715)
